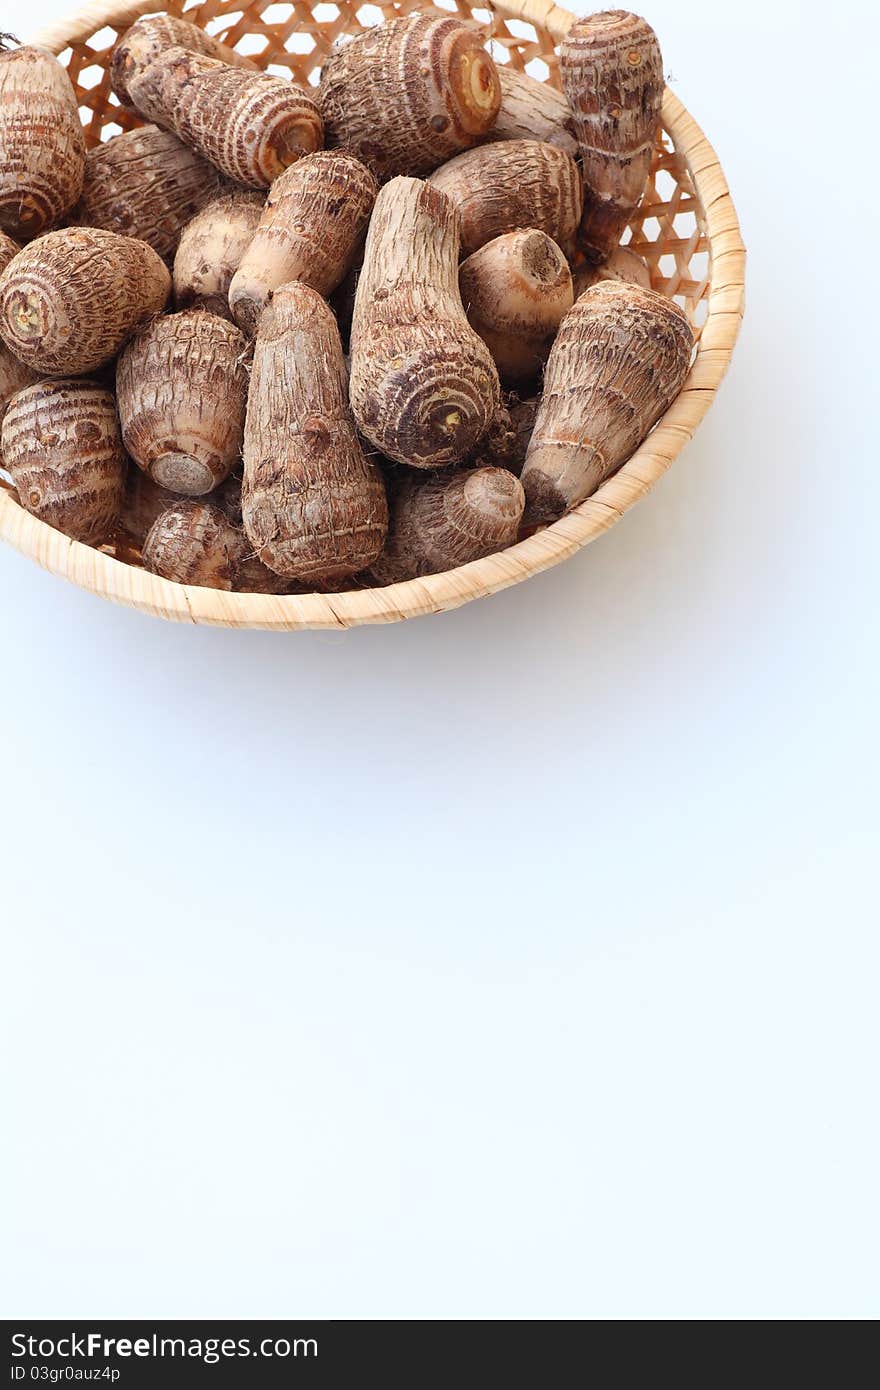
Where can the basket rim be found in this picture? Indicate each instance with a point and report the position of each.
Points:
(125, 584)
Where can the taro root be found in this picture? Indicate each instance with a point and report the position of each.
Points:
(313, 505)
(532, 110)
(211, 248)
(62, 447)
(622, 264)
(408, 94)
(424, 388)
(515, 290)
(182, 387)
(70, 300)
(312, 228)
(612, 75)
(620, 358)
(194, 542)
(250, 125)
(145, 184)
(148, 37)
(514, 183)
(42, 148)
(448, 519)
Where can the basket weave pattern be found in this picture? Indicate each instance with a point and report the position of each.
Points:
(686, 229)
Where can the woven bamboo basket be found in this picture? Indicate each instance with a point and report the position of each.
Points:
(686, 229)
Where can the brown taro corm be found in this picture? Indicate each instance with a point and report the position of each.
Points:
(311, 229)
(408, 94)
(62, 447)
(619, 360)
(447, 519)
(250, 125)
(424, 387)
(211, 249)
(181, 385)
(42, 147)
(71, 299)
(516, 290)
(313, 504)
(612, 74)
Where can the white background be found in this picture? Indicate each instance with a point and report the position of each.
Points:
(520, 962)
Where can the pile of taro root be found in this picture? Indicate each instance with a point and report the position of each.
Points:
(275, 341)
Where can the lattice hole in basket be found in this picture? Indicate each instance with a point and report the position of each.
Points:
(253, 45)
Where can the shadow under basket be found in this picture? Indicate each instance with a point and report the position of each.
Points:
(686, 229)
